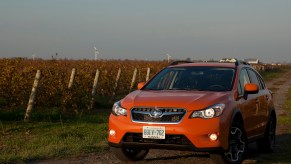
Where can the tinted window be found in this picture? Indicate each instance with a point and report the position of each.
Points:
(239, 89)
(193, 78)
(262, 84)
(243, 80)
(254, 78)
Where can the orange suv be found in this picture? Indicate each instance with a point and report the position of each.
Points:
(205, 107)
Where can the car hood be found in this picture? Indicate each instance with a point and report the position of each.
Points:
(179, 98)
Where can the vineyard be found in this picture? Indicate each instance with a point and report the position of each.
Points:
(61, 123)
(17, 77)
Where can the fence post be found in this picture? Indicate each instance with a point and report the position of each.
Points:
(94, 89)
(148, 74)
(72, 78)
(133, 79)
(32, 96)
(116, 85)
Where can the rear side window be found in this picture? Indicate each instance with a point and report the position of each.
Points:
(243, 80)
(262, 84)
(254, 78)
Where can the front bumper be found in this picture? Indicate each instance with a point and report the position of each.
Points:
(195, 130)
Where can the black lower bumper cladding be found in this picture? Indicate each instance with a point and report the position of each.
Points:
(171, 142)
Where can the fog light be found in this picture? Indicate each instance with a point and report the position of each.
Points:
(112, 132)
(213, 137)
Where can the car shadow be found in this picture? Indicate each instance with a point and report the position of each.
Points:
(280, 154)
(181, 156)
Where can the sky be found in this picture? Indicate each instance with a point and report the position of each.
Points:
(146, 29)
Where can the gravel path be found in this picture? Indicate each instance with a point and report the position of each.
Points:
(279, 86)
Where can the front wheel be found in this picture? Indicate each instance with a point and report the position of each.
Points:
(237, 146)
(129, 154)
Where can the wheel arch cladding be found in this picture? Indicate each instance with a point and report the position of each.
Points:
(237, 117)
(273, 114)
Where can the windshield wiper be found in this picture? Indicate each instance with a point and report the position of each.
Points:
(154, 89)
(185, 89)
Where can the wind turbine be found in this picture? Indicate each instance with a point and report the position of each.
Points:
(33, 56)
(96, 52)
(169, 57)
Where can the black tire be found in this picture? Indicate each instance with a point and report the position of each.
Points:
(267, 144)
(237, 146)
(129, 154)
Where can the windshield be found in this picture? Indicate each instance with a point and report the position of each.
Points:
(193, 78)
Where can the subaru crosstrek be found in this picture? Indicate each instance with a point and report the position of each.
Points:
(205, 107)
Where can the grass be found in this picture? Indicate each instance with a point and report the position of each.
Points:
(288, 103)
(23, 142)
(271, 74)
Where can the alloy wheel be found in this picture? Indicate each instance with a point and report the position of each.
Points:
(237, 145)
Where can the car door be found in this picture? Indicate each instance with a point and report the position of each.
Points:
(247, 103)
(262, 101)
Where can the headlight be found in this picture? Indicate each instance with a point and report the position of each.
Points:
(209, 112)
(117, 110)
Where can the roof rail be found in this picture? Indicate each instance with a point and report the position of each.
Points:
(238, 62)
(233, 60)
(180, 62)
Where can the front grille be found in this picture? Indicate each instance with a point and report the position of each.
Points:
(157, 115)
(170, 139)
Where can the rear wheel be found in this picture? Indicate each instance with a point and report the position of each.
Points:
(129, 154)
(237, 146)
(267, 144)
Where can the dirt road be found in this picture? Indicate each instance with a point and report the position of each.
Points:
(279, 86)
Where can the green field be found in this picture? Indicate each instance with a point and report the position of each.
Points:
(22, 142)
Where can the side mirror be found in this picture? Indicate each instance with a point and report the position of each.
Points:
(251, 88)
(140, 85)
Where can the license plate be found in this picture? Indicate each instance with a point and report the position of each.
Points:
(154, 132)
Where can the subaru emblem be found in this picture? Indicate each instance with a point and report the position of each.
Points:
(156, 113)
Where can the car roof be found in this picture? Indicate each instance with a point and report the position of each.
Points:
(206, 64)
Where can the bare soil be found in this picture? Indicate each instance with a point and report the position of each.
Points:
(280, 88)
